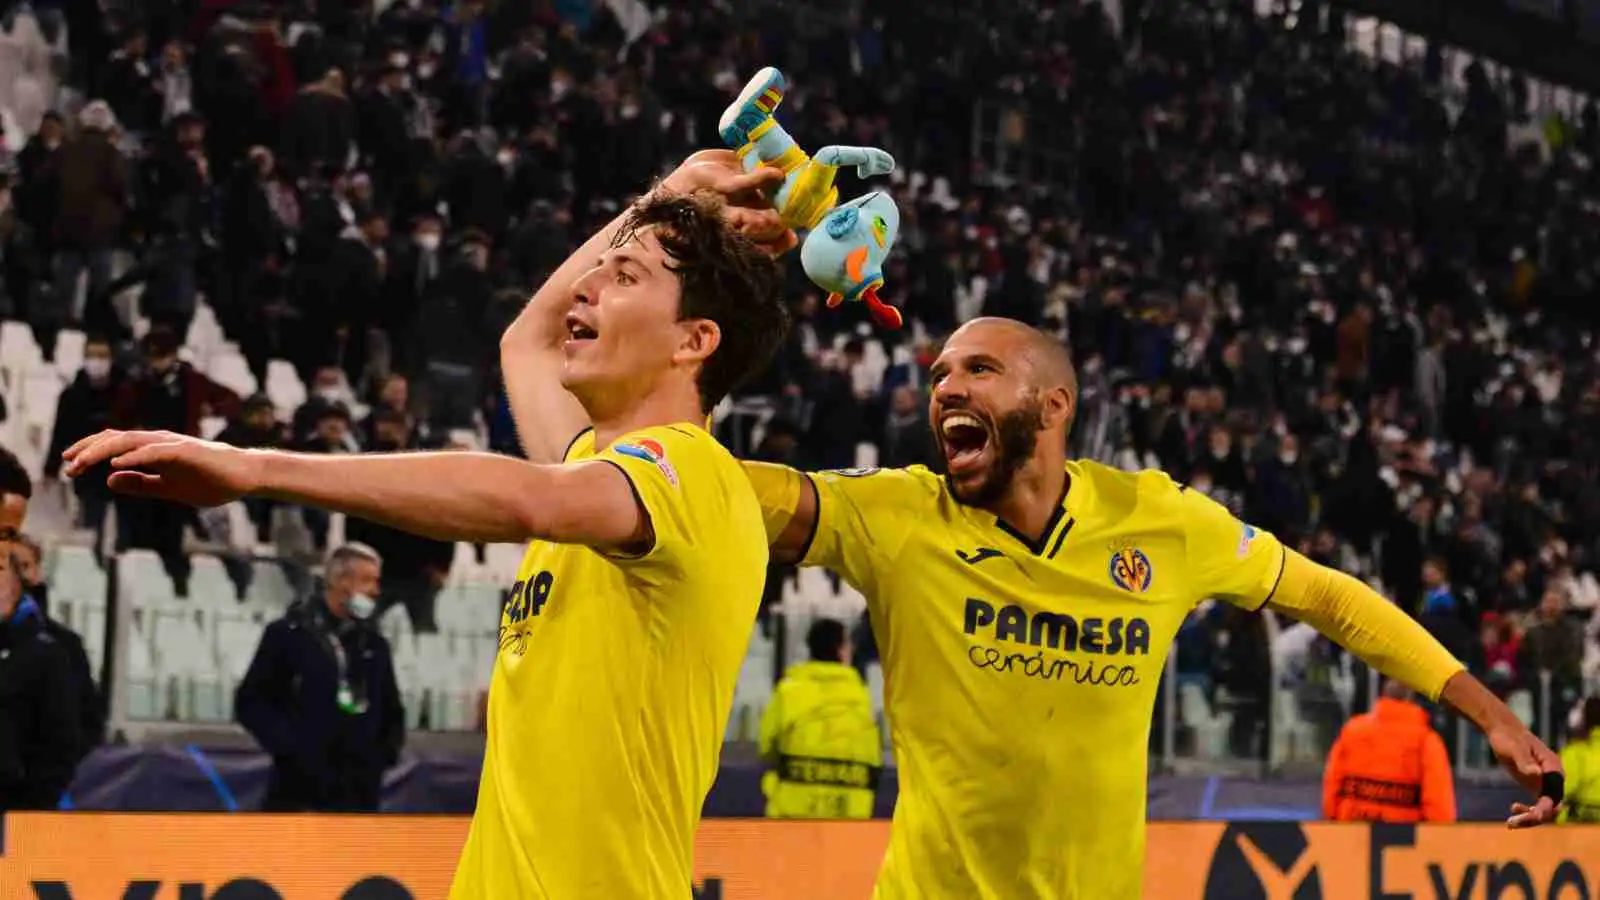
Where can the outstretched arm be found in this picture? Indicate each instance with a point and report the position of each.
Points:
(478, 497)
(1377, 631)
(788, 501)
(547, 417)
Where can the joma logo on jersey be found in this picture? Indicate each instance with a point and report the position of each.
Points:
(1057, 631)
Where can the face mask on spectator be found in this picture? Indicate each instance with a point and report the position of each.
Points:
(97, 367)
(361, 607)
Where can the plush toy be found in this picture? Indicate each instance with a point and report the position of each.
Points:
(845, 244)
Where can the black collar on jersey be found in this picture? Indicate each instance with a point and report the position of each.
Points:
(1038, 547)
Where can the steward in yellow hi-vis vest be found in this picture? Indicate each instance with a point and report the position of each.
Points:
(819, 735)
(1581, 758)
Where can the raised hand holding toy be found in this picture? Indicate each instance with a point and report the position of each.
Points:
(844, 249)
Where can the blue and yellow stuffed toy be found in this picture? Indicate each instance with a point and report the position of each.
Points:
(845, 245)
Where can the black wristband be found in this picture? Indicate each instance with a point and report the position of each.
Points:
(1554, 786)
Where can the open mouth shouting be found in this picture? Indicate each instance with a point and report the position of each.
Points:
(579, 332)
(965, 439)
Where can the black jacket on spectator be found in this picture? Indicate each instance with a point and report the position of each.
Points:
(40, 742)
(91, 706)
(322, 758)
(84, 408)
(176, 401)
(92, 203)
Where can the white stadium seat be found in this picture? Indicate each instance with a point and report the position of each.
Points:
(142, 581)
(143, 677)
(209, 584)
(284, 388)
(270, 591)
(232, 372)
(69, 352)
(18, 350)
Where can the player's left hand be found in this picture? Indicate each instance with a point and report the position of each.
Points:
(1535, 767)
(748, 204)
(167, 466)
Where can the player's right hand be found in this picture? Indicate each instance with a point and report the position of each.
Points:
(167, 466)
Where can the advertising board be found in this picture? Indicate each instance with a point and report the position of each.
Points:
(132, 856)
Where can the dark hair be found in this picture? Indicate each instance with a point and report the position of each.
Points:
(160, 341)
(724, 278)
(1591, 714)
(14, 478)
(824, 639)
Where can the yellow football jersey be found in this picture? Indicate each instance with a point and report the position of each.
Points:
(613, 684)
(1021, 676)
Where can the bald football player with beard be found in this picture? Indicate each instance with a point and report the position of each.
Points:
(1024, 604)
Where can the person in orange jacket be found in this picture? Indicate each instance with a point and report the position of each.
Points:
(1389, 765)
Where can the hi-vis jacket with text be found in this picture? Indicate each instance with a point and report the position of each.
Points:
(822, 742)
(1389, 765)
(1581, 760)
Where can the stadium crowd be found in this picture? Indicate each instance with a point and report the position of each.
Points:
(1336, 295)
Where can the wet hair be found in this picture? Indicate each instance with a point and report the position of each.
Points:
(724, 278)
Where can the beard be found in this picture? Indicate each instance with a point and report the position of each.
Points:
(1016, 436)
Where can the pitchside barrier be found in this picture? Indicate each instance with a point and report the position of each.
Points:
(198, 856)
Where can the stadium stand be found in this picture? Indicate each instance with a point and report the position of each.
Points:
(1337, 281)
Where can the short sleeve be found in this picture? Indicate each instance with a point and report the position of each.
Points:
(1227, 558)
(673, 473)
(863, 519)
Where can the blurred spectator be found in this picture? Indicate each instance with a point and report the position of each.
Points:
(167, 394)
(394, 396)
(257, 427)
(94, 187)
(1244, 670)
(1581, 760)
(16, 489)
(1389, 765)
(85, 407)
(331, 432)
(1553, 644)
(328, 389)
(449, 338)
(320, 695)
(91, 708)
(1442, 616)
(907, 440)
(319, 127)
(1501, 645)
(415, 567)
(39, 695)
(819, 736)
